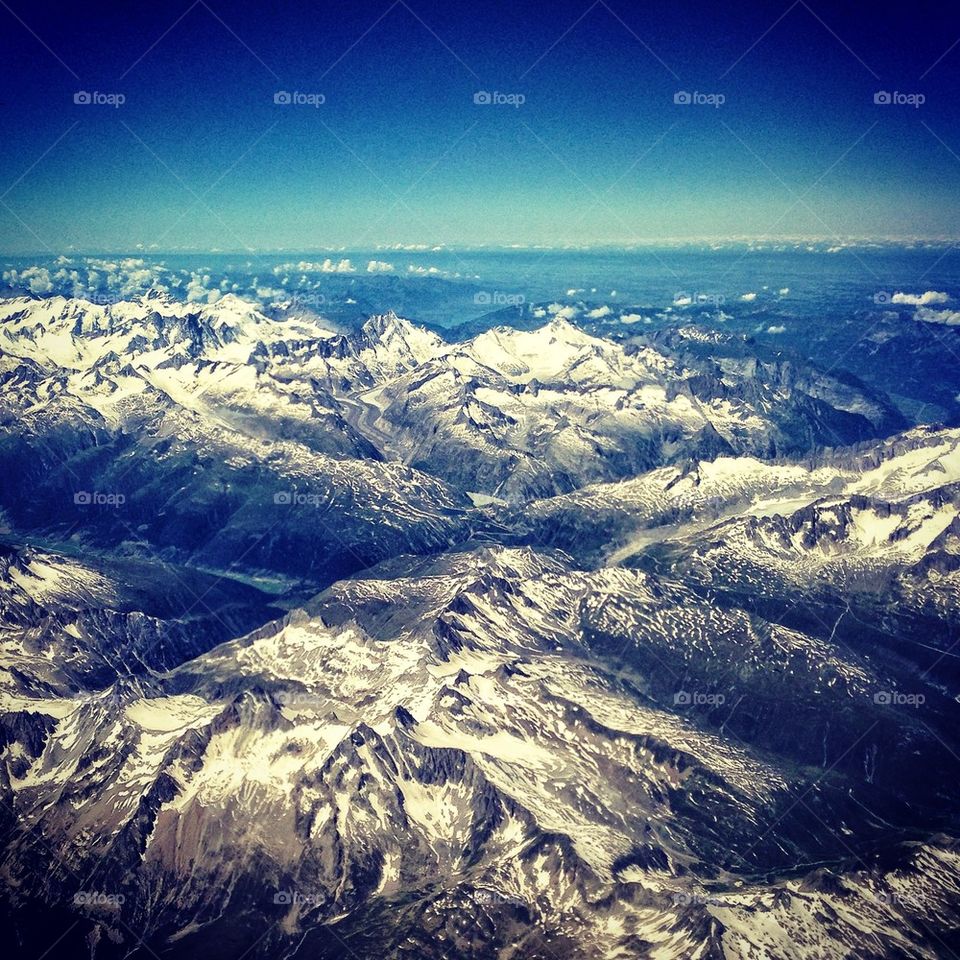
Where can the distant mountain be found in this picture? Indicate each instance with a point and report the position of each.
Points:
(609, 520)
(185, 434)
(199, 417)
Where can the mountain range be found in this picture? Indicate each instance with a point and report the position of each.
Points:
(534, 644)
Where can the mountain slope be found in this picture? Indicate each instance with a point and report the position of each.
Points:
(453, 732)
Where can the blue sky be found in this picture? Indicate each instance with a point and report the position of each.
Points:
(199, 156)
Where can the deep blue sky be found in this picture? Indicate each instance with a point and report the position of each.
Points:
(200, 157)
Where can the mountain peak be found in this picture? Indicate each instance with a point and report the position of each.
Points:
(380, 324)
(397, 333)
(155, 296)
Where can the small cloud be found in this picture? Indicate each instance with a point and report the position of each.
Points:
(949, 318)
(564, 313)
(784, 291)
(603, 311)
(379, 266)
(776, 329)
(309, 266)
(36, 279)
(920, 299)
(341, 266)
(748, 297)
(631, 317)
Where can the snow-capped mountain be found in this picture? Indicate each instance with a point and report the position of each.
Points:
(609, 520)
(456, 718)
(508, 413)
(532, 645)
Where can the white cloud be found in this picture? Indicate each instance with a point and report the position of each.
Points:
(422, 271)
(126, 277)
(312, 266)
(341, 266)
(630, 317)
(950, 318)
(270, 293)
(784, 291)
(682, 300)
(198, 289)
(776, 329)
(920, 299)
(379, 266)
(559, 310)
(35, 279)
(603, 311)
(748, 297)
